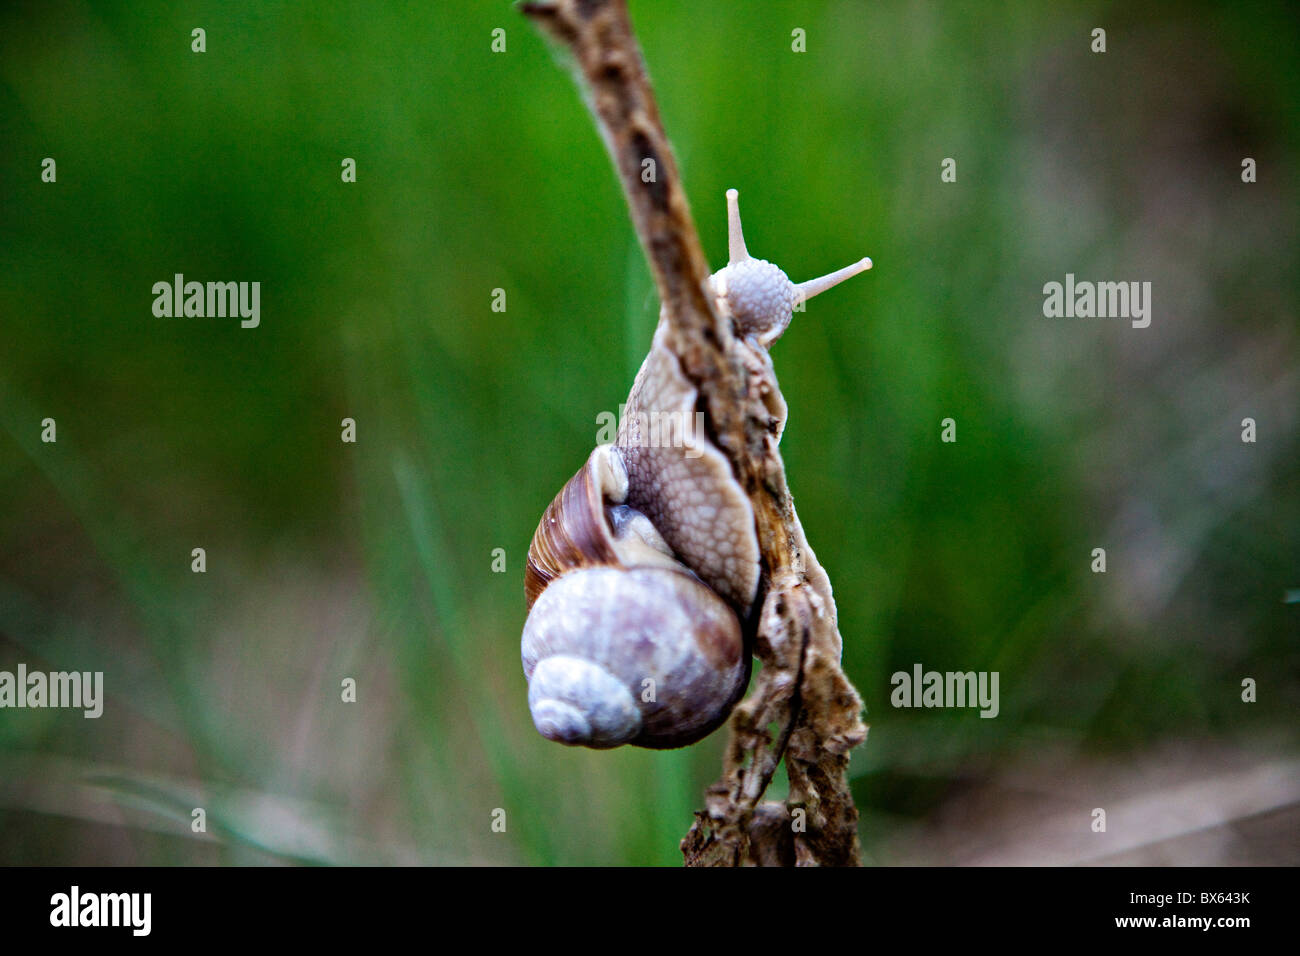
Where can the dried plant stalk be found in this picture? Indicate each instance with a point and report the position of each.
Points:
(801, 690)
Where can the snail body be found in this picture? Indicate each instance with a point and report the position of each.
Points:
(643, 573)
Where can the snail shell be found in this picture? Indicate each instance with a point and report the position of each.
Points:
(623, 643)
(643, 574)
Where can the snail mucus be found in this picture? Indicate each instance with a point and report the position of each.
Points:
(643, 573)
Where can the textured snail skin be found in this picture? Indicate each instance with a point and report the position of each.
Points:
(694, 502)
(647, 562)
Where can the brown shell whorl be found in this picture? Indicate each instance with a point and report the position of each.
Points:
(572, 533)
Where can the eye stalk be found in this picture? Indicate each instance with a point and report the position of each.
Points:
(760, 297)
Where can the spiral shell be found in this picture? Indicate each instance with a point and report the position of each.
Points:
(623, 643)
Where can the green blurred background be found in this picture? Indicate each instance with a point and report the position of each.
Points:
(478, 171)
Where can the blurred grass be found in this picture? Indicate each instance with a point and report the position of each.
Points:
(478, 171)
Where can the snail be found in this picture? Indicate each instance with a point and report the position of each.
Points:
(644, 571)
